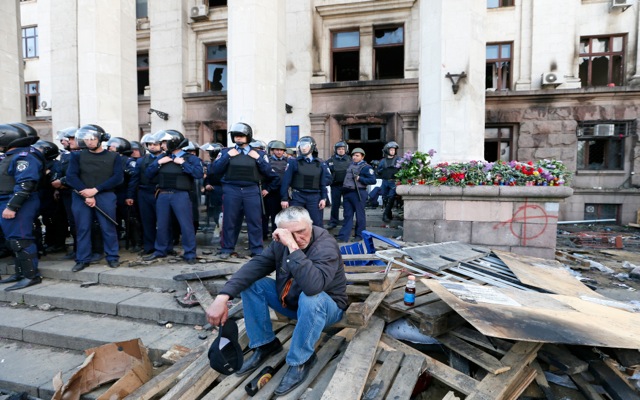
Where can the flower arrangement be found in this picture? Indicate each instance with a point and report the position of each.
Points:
(415, 169)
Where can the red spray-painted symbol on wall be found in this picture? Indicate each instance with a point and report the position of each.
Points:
(534, 221)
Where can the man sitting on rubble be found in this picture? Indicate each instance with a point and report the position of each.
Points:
(309, 286)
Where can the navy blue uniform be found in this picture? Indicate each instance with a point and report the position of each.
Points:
(20, 172)
(241, 197)
(355, 196)
(387, 171)
(272, 200)
(175, 182)
(142, 191)
(338, 165)
(213, 196)
(78, 178)
(308, 183)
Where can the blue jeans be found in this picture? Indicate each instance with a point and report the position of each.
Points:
(314, 314)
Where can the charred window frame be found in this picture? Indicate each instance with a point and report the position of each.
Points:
(30, 42)
(217, 3)
(388, 49)
(216, 67)
(367, 133)
(499, 3)
(142, 64)
(602, 211)
(32, 95)
(601, 144)
(498, 143)
(142, 9)
(602, 60)
(345, 55)
(499, 60)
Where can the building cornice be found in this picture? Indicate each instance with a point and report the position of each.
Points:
(616, 93)
(357, 9)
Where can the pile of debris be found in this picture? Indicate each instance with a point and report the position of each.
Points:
(485, 324)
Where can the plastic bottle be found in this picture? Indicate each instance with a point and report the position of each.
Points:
(260, 380)
(410, 291)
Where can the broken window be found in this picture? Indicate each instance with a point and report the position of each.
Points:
(217, 3)
(143, 72)
(602, 60)
(32, 93)
(499, 3)
(142, 9)
(388, 48)
(601, 144)
(369, 137)
(345, 51)
(497, 143)
(498, 75)
(216, 67)
(601, 211)
(30, 42)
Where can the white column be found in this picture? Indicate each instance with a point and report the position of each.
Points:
(12, 86)
(107, 66)
(452, 40)
(257, 65)
(168, 61)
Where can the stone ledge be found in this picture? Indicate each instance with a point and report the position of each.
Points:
(501, 192)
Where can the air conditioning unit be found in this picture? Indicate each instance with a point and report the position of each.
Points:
(200, 12)
(552, 79)
(622, 3)
(603, 129)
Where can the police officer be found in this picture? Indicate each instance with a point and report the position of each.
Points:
(387, 171)
(194, 149)
(278, 161)
(243, 169)
(93, 175)
(67, 138)
(176, 171)
(338, 164)
(358, 176)
(213, 188)
(307, 176)
(122, 146)
(20, 172)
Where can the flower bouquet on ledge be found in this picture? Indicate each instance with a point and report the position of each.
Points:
(416, 169)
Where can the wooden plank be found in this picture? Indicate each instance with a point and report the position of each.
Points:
(365, 277)
(386, 285)
(520, 383)
(542, 382)
(359, 313)
(411, 369)
(475, 337)
(397, 295)
(589, 392)
(201, 377)
(450, 396)
(497, 386)
(358, 291)
(442, 372)
(201, 293)
(563, 359)
(351, 375)
(323, 380)
(611, 382)
(378, 388)
(473, 354)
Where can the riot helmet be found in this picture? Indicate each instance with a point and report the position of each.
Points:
(12, 136)
(390, 145)
(192, 147)
(241, 129)
(306, 145)
(119, 145)
(213, 149)
(66, 133)
(136, 145)
(91, 131)
(48, 149)
(174, 139)
(32, 134)
(258, 144)
(150, 138)
(341, 144)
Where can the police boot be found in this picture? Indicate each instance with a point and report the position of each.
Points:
(386, 214)
(15, 277)
(26, 262)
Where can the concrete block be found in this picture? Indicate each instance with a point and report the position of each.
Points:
(496, 233)
(419, 231)
(424, 210)
(62, 270)
(447, 231)
(540, 252)
(160, 307)
(150, 276)
(477, 211)
(98, 299)
(17, 296)
(481, 191)
(15, 319)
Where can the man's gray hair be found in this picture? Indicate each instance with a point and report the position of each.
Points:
(293, 214)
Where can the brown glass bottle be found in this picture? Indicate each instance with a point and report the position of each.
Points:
(410, 291)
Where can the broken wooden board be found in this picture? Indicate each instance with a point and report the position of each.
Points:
(358, 314)
(538, 317)
(213, 273)
(545, 274)
(473, 354)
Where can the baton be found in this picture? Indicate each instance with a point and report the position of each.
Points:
(100, 210)
(355, 182)
(261, 198)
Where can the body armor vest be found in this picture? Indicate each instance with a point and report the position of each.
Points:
(279, 166)
(171, 176)
(388, 168)
(96, 168)
(144, 181)
(349, 179)
(7, 182)
(243, 168)
(340, 166)
(308, 175)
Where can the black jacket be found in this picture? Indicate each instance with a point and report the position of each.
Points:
(317, 269)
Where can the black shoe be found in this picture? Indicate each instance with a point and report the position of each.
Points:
(135, 249)
(172, 253)
(12, 278)
(113, 263)
(331, 226)
(79, 266)
(259, 355)
(295, 376)
(386, 219)
(23, 283)
(95, 257)
(191, 261)
(70, 256)
(152, 256)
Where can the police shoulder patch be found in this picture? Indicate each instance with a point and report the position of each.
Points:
(371, 171)
(22, 165)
